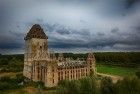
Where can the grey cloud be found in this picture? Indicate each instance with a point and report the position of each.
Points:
(130, 3)
(63, 31)
(11, 40)
(11, 45)
(83, 21)
(79, 24)
(137, 28)
(100, 34)
(118, 42)
(114, 30)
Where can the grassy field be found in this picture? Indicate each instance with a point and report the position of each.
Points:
(114, 70)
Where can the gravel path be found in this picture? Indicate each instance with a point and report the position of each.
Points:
(115, 78)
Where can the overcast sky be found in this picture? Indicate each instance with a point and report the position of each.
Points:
(72, 25)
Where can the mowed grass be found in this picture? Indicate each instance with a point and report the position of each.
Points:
(114, 70)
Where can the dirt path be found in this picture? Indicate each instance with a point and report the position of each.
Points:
(30, 90)
(115, 78)
(10, 74)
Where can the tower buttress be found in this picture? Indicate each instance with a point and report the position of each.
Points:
(91, 63)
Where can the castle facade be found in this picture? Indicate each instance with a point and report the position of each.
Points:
(41, 65)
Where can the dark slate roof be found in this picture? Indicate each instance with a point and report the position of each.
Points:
(36, 32)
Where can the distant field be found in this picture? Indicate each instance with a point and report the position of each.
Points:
(114, 70)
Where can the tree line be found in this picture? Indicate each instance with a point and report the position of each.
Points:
(124, 59)
(11, 63)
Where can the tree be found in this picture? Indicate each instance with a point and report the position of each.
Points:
(138, 74)
(88, 86)
(129, 85)
(68, 87)
(4, 61)
(106, 86)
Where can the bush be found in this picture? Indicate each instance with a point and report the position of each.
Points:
(82, 86)
(4, 61)
(20, 78)
(68, 87)
(7, 83)
(88, 85)
(129, 85)
(138, 74)
(107, 86)
(11, 63)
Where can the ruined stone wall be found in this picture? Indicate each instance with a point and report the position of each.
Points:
(73, 73)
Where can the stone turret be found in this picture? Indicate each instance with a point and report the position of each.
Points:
(91, 62)
(60, 57)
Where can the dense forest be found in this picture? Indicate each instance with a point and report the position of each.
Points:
(11, 63)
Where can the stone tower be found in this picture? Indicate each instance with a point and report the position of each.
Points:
(38, 62)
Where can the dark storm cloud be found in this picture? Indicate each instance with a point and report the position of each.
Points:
(10, 45)
(63, 31)
(104, 25)
(11, 40)
(118, 41)
(136, 28)
(100, 34)
(114, 30)
(57, 28)
(130, 3)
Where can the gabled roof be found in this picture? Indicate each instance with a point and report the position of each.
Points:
(36, 32)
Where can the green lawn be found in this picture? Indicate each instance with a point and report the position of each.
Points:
(114, 70)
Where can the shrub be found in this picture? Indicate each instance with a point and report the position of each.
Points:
(138, 74)
(7, 83)
(82, 86)
(107, 86)
(3, 61)
(88, 86)
(129, 85)
(68, 87)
